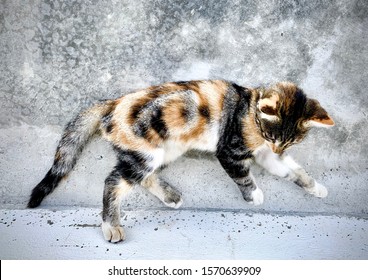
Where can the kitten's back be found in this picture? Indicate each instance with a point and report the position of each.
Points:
(186, 112)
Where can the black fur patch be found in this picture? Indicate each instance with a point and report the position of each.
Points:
(231, 143)
(144, 103)
(240, 90)
(106, 122)
(158, 124)
(186, 83)
(231, 149)
(132, 166)
(45, 187)
(204, 111)
(141, 129)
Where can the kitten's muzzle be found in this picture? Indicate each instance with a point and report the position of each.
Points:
(275, 148)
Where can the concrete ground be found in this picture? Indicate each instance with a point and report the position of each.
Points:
(181, 234)
(213, 223)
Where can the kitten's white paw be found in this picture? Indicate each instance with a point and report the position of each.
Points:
(257, 197)
(111, 233)
(174, 204)
(318, 190)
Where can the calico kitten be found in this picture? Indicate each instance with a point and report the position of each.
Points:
(152, 127)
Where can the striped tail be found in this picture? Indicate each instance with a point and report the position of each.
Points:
(76, 135)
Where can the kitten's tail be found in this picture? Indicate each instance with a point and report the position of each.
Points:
(76, 135)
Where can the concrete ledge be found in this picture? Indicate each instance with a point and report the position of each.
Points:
(181, 234)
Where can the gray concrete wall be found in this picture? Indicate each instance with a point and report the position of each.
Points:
(58, 56)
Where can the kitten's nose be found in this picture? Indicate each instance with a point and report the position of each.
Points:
(276, 149)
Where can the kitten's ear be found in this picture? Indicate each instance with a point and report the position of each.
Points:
(317, 116)
(268, 106)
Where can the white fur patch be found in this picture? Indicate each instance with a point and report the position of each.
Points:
(289, 161)
(270, 161)
(173, 150)
(257, 196)
(271, 118)
(158, 156)
(208, 141)
(111, 233)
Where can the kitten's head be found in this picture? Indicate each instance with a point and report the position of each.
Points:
(285, 115)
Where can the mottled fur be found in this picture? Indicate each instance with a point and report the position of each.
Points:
(152, 127)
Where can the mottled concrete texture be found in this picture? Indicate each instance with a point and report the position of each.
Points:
(59, 56)
(191, 235)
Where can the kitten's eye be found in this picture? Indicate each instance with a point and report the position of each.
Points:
(270, 137)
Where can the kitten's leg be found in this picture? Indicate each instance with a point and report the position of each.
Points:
(163, 191)
(249, 189)
(115, 189)
(287, 168)
(300, 177)
(239, 171)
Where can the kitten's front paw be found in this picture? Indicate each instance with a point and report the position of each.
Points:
(257, 197)
(318, 190)
(111, 233)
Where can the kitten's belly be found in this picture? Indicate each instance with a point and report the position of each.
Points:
(172, 149)
(208, 140)
(205, 142)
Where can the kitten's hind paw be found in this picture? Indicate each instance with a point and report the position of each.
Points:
(172, 197)
(318, 190)
(256, 197)
(173, 201)
(111, 233)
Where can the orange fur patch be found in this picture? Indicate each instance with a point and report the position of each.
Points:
(174, 114)
(252, 138)
(269, 102)
(214, 94)
(196, 132)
